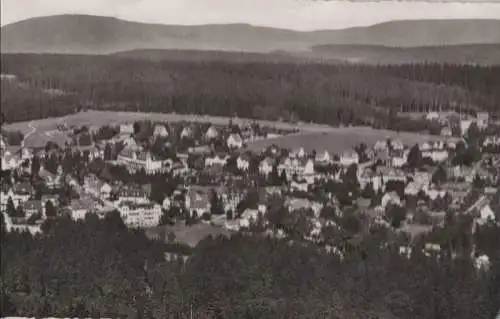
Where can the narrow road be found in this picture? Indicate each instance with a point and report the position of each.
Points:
(33, 130)
(479, 202)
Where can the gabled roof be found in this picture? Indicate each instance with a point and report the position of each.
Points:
(80, 204)
(235, 137)
(132, 191)
(160, 129)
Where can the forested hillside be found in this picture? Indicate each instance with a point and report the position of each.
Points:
(333, 94)
(481, 54)
(96, 268)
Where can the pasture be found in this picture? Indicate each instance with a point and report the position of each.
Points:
(312, 136)
(338, 140)
(190, 235)
(100, 118)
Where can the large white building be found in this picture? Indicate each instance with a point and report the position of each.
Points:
(141, 160)
(140, 215)
(301, 168)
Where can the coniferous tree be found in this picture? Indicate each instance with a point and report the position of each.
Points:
(50, 210)
(11, 208)
(216, 206)
(35, 166)
(20, 213)
(439, 176)
(414, 157)
(283, 178)
(108, 152)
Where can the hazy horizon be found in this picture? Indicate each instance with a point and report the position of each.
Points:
(300, 15)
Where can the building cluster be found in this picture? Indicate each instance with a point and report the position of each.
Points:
(408, 187)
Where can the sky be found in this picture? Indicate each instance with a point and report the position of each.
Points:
(289, 14)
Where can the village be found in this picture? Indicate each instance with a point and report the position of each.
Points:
(185, 174)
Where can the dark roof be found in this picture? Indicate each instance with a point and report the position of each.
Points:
(23, 188)
(132, 191)
(33, 205)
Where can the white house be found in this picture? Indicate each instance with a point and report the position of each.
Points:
(160, 130)
(413, 188)
(491, 140)
(431, 248)
(482, 119)
(399, 158)
(216, 160)
(323, 158)
(390, 198)
(140, 215)
(10, 161)
(97, 187)
(446, 131)
(211, 133)
(425, 146)
(405, 251)
(380, 145)
(243, 162)
(303, 169)
(432, 116)
(300, 153)
(482, 263)
(349, 158)
(486, 214)
(437, 155)
(266, 166)
(187, 132)
(26, 154)
(248, 216)
(166, 204)
(230, 199)
(126, 129)
(234, 141)
(464, 126)
(397, 145)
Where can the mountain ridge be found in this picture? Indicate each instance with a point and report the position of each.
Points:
(87, 34)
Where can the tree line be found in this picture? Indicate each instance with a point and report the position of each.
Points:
(331, 94)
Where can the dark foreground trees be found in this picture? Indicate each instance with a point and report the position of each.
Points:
(101, 269)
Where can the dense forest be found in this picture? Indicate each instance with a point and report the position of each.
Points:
(50, 85)
(99, 268)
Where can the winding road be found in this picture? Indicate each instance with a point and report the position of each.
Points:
(33, 130)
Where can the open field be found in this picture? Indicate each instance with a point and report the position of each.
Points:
(338, 140)
(45, 128)
(312, 136)
(100, 118)
(190, 235)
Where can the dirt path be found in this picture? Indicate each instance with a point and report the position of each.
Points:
(33, 130)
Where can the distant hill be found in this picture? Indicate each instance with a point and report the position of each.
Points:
(103, 35)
